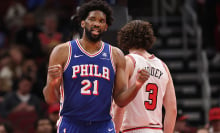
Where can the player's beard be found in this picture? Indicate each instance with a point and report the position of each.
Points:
(91, 37)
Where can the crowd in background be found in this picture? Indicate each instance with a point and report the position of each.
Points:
(29, 29)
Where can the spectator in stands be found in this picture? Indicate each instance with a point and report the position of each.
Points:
(50, 36)
(14, 14)
(202, 130)
(214, 119)
(27, 37)
(17, 59)
(21, 99)
(181, 125)
(6, 73)
(30, 69)
(43, 125)
(53, 114)
(10, 68)
(75, 30)
(5, 128)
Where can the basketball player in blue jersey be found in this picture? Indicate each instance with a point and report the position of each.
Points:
(86, 74)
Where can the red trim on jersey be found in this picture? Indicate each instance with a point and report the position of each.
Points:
(131, 129)
(165, 66)
(61, 96)
(87, 53)
(69, 57)
(111, 57)
(61, 106)
(150, 57)
(62, 93)
(132, 59)
(58, 124)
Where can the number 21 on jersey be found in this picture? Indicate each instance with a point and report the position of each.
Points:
(87, 85)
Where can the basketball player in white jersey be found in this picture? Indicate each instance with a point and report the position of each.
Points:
(144, 113)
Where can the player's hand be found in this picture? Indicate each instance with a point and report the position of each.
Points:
(55, 74)
(142, 76)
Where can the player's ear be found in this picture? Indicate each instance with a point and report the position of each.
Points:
(83, 24)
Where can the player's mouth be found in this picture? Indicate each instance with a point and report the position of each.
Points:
(95, 31)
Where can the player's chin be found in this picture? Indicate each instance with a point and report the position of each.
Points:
(95, 37)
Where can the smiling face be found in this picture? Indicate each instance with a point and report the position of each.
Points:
(94, 25)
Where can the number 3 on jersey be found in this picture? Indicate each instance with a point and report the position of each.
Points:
(86, 89)
(152, 89)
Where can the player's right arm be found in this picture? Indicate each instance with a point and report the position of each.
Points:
(56, 64)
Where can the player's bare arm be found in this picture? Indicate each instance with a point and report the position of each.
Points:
(118, 112)
(117, 116)
(56, 64)
(170, 106)
(121, 94)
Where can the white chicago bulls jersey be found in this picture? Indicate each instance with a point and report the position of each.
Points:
(145, 111)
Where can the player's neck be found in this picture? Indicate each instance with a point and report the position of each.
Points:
(89, 46)
(141, 52)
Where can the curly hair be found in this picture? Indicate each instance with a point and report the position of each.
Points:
(92, 5)
(136, 34)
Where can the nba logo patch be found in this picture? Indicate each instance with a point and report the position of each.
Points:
(104, 54)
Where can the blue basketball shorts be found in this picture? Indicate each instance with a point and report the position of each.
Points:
(72, 126)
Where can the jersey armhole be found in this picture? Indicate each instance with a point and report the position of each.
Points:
(167, 70)
(69, 56)
(111, 57)
(165, 66)
(132, 59)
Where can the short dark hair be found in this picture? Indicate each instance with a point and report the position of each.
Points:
(92, 5)
(136, 34)
(25, 77)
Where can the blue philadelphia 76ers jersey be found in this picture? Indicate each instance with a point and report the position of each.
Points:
(88, 80)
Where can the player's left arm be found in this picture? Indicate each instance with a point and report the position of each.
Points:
(118, 112)
(121, 94)
(117, 116)
(169, 103)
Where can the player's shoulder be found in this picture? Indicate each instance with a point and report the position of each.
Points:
(157, 59)
(62, 46)
(118, 56)
(116, 51)
(60, 50)
(60, 53)
(163, 63)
